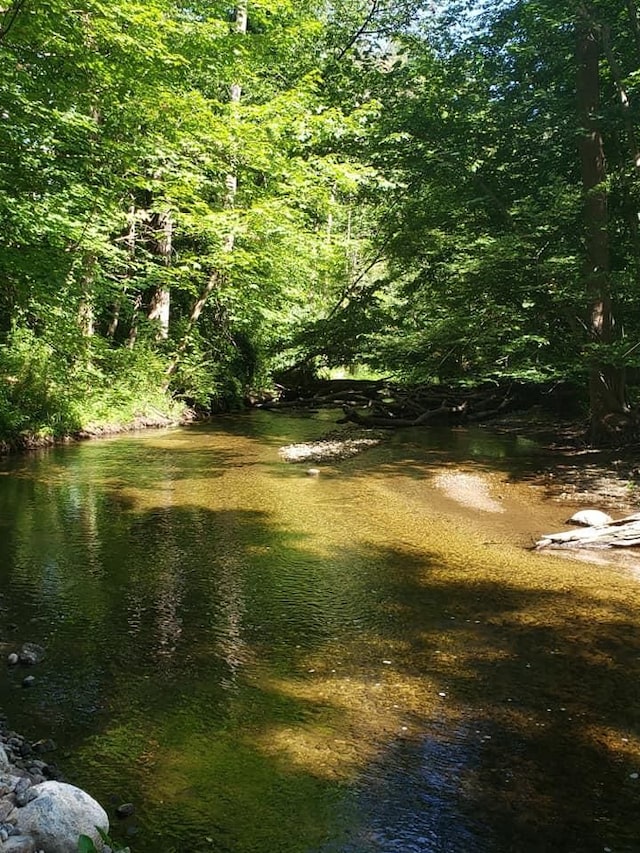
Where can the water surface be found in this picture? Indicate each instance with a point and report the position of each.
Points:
(365, 662)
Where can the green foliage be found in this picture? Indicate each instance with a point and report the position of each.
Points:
(45, 392)
(388, 185)
(87, 845)
(33, 394)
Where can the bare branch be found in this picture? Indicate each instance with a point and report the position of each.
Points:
(375, 6)
(9, 17)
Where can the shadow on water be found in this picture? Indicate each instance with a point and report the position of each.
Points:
(252, 690)
(534, 743)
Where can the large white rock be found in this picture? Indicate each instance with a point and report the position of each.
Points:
(59, 815)
(590, 518)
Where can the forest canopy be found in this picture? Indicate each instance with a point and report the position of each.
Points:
(196, 197)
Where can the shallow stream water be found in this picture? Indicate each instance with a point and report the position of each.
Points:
(368, 661)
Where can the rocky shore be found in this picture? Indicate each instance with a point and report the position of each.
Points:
(39, 812)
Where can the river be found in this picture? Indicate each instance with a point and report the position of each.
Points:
(368, 661)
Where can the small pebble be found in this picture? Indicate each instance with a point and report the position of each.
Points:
(12, 659)
(29, 681)
(633, 775)
(313, 472)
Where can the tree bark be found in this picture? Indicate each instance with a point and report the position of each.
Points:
(161, 243)
(86, 318)
(130, 242)
(606, 381)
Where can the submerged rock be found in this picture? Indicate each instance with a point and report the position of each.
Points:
(125, 810)
(4, 760)
(30, 654)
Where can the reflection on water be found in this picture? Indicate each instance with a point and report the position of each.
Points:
(364, 662)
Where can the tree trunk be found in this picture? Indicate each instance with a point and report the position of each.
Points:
(130, 242)
(161, 242)
(86, 319)
(606, 382)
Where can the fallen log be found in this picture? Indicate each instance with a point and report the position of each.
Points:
(387, 405)
(623, 533)
(388, 422)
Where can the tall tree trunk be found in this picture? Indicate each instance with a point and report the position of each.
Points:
(86, 319)
(133, 330)
(606, 382)
(130, 242)
(160, 303)
(231, 187)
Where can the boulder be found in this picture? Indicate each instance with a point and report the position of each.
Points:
(59, 815)
(590, 518)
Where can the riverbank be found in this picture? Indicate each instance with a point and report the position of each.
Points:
(574, 472)
(150, 418)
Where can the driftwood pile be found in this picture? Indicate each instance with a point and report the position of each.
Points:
(384, 405)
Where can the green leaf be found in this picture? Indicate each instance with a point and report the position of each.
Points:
(86, 845)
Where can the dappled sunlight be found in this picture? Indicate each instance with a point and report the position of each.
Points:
(228, 640)
(354, 720)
